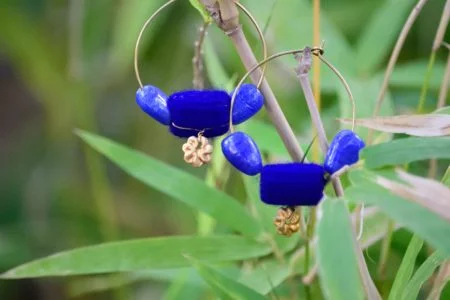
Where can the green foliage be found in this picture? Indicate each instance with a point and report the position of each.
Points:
(224, 287)
(338, 266)
(180, 185)
(68, 64)
(406, 269)
(406, 150)
(426, 224)
(423, 273)
(152, 253)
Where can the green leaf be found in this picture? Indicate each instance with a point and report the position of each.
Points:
(78, 287)
(380, 34)
(406, 268)
(268, 275)
(426, 224)
(176, 183)
(423, 273)
(338, 267)
(406, 150)
(223, 286)
(141, 254)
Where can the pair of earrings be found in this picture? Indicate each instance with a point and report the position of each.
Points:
(202, 114)
(198, 114)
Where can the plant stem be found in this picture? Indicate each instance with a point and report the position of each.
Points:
(316, 65)
(441, 280)
(438, 39)
(393, 59)
(423, 92)
(273, 109)
(303, 69)
(444, 87)
(385, 249)
(436, 45)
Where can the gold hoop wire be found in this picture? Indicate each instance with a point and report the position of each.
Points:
(318, 51)
(158, 11)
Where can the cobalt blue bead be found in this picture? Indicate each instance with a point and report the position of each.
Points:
(243, 153)
(153, 101)
(344, 150)
(247, 103)
(292, 184)
(193, 111)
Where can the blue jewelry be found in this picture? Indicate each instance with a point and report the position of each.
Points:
(200, 114)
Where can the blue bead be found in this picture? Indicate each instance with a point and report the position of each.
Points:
(153, 101)
(243, 153)
(194, 111)
(292, 184)
(247, 103)
(344, 151)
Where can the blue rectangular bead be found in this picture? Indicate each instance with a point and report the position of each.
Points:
(199, 110)
(292, 184)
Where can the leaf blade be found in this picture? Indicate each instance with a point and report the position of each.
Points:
(176, 183)
(414, 217)
(399, 152)
(142, 254)
(406, 267)
(422, 274)
(334, 232)
(223, 286)
(415, 125)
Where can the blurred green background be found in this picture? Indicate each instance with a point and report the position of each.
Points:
(67, 64)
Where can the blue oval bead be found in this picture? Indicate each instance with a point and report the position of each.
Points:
(243, 153)
(344, 150)
(153, 101)
(292, 184)
(247, 103)
(194, 111)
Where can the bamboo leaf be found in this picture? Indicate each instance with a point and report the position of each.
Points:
(142, 254)
(223, 286)
(426, 224)
(406, 150)
(416, 125)
(428, 193)
(338, 267)
(176, 183)
(422, 274)
(406, 268)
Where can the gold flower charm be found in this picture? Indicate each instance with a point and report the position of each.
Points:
(197, 151)
(287, 221)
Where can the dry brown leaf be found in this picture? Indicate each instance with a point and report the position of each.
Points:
(426, 192)
(416, 125)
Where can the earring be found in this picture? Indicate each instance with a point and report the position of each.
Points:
(291, 185)
(198, 114)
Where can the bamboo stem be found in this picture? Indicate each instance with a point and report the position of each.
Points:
(393, 59)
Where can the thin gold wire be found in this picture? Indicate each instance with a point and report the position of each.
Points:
(158, 11)
(261, 37)
(138, 41)
(318, 51)
(347, 88)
